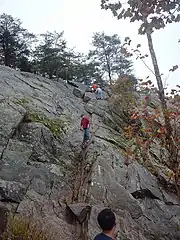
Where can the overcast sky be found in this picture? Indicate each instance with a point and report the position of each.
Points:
(80, 18)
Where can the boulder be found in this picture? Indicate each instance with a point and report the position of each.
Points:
(78, 93)
(80, 211)
(86, 99)
(11, 116)
(11, 191)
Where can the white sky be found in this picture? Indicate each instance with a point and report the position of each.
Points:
(80, 18)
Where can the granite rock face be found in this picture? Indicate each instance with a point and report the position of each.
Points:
(43, 170)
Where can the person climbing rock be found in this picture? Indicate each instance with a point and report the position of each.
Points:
(107, 221)
(99, 93)
(85, 125)
(94, 87)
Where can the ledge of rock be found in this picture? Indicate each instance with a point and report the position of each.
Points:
(81, 211)
(78, 93)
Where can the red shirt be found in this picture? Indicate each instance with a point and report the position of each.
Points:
(85, 122)
(94, 86)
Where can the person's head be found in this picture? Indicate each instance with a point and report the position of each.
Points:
(107, 220)
(82, 115)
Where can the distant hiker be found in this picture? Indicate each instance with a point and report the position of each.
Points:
(94, 87)
(107, 222)
(85, 124)
(99, 93)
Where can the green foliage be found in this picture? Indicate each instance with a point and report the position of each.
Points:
(56, 126)
(19, 228)
(84, 71)
(49, 54)
(123, 97)
(22, 101)
(25, 65)
(14, 41)
(107, 53)
(52, 58)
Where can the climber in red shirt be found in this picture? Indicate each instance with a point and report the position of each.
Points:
(94, 87)
(85, 124)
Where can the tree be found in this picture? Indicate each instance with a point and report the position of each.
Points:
(152, 15)
(124, 96)
(54, 59)
(14, 41)
(152, 132)
(85, 71)
(49, 55)
(93, 72)
(24, 64)
(108, 54)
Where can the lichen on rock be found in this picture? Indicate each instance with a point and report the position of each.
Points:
(56, 125)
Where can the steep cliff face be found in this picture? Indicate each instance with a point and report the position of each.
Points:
(44, 172)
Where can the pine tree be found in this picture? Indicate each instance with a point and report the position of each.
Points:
(14, 41)
(108, 53)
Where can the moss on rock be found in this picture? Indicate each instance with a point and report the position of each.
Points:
(21, 101)
(55, 125)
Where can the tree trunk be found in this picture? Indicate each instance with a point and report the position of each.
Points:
(5, 53)
(6, 62)
(107, 63)
(156, 68)
(109, 73)
(160, 85)
(109, 69)
(171, 147)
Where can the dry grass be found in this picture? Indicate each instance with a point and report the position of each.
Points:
(19, 228)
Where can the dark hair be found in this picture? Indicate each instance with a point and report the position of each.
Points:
(106, 219)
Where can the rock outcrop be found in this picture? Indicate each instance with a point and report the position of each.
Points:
(44, 172)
